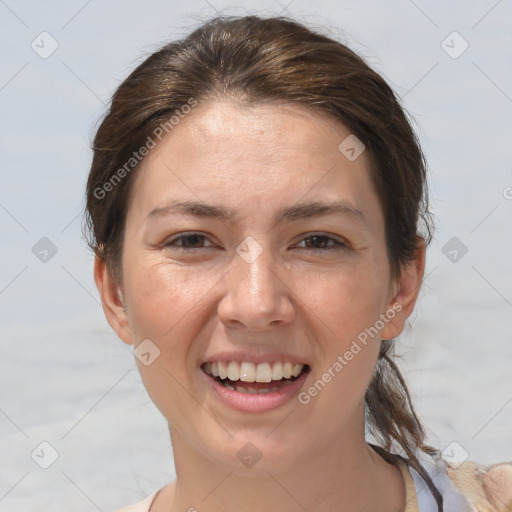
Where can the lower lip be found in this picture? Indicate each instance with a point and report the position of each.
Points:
(249, 402)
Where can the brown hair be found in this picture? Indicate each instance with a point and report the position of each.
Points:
(250, 60)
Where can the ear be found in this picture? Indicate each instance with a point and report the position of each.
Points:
(112, 300)
(405, 291)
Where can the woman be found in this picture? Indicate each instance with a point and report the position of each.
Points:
(255, 205)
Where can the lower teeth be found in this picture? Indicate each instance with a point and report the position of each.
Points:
(252, 391)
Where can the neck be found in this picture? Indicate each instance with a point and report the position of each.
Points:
(343, 475)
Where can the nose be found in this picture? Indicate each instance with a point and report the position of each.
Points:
(256, 295)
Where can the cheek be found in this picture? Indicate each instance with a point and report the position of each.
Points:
(170, 307)
(346, 302)
(158, 309)
(347, 309)
(162, 299)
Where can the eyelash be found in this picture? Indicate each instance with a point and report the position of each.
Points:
(337, 244)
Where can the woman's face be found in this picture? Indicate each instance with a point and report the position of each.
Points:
(255, 246)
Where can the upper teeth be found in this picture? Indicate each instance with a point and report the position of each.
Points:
(250, 372)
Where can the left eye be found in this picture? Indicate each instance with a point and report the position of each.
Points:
(321, 242)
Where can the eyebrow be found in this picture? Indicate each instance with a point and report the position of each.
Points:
(290, 213)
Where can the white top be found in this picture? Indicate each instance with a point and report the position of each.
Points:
(417, 494)
(453, 500)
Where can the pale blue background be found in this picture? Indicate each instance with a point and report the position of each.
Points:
(67, 380)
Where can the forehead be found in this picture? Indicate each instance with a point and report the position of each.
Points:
(253, 156)
(265, 121)
(264, 133)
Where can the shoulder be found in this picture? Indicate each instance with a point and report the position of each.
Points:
(487, 488)
(468, 487)
(141, 506)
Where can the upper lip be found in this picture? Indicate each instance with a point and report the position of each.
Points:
(251, 357)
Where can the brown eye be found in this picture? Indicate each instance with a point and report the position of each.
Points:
(322, 242)
(189, 241)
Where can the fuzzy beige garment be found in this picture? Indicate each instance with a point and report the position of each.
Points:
(488, 488)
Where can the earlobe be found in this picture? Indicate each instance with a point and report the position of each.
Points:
(405, 292)
(112, 300)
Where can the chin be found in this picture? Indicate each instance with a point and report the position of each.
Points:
(256, 454)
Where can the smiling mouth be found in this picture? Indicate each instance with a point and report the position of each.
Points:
(247, 377)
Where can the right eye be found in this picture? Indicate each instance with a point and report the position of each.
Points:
(189, 242)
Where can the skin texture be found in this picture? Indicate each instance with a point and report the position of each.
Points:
(292, 299)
